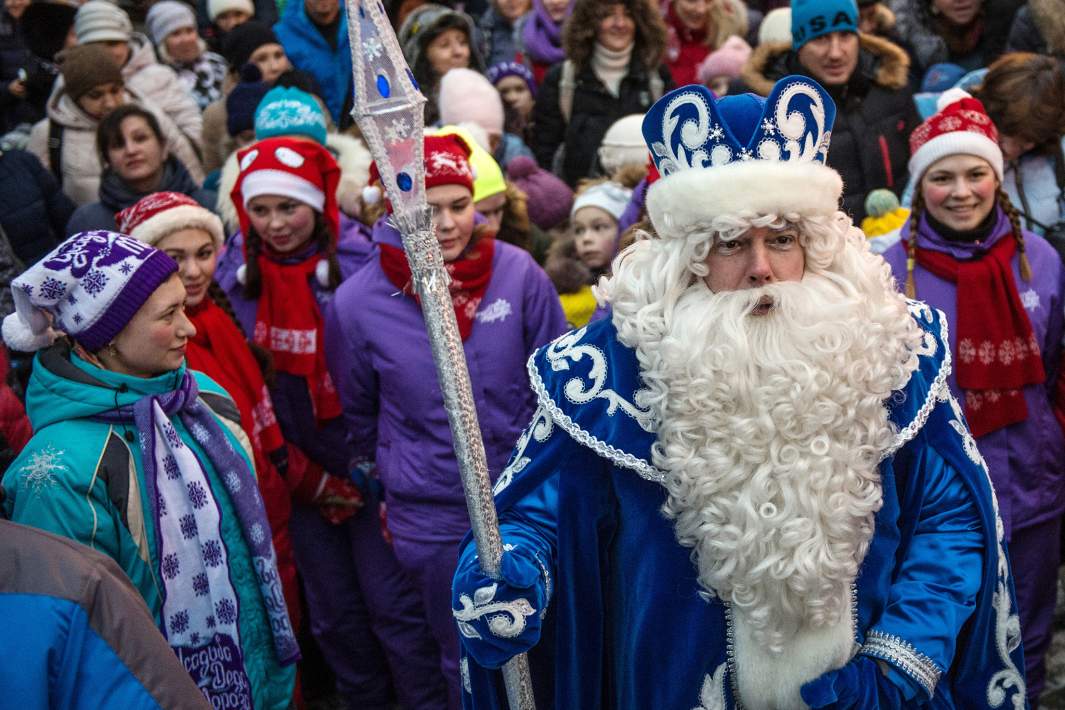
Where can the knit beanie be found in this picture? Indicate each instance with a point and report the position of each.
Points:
(498, 72)
(156, 216)
(812, 18)
(288, 167)
(88, 287)
(217, 7)
(289, 112)
(465, 95)
(167, 16)
(610, 197)
(87, 66)
(775, 27)
(102, 21)
(243, 100)
(883, 213)
(727, 60)
(487, 175)
(243, 40)
(549, 197)
(623, 144)
(960, 126)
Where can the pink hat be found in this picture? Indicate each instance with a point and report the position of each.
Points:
(160, 214)
(961, 126)
(726, 60)
(467, 96)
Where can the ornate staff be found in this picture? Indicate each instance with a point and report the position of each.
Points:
(388, 109)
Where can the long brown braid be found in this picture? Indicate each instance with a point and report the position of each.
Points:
(262, 356)
(1018, 233)
(917, 210)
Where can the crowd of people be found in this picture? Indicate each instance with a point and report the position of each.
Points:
(217, 372)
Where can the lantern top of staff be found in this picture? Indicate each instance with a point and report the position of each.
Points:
(387, 103)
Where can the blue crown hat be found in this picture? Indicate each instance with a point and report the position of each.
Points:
(740, 154)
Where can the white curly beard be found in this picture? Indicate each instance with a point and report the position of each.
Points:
(770, 433)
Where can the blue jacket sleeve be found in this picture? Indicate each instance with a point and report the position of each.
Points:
(935, 585)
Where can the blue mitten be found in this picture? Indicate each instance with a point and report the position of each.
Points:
(498, 619)
(860, 685)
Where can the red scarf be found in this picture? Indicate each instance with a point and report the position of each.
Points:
(997, 352)
(220, 350)
(289, 325)
(470, 274)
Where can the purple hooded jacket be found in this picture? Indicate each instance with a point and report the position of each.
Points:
(1026, 460)
(325, 445)
(379, 356)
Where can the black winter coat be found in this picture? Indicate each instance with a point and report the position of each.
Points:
(13, 57)
(33, 210)
(595, 109)
(875, 115)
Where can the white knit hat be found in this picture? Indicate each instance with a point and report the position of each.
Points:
(217, 7)
(168, 16)
(102, 21)
(610, 197)
(775, 27)
(623, 144)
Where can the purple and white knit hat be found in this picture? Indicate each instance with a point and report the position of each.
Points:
(88, 287)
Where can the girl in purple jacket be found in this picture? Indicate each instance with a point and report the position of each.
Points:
(379, 354)
(963, 251)
(279, 272)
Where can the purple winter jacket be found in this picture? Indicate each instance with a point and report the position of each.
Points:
(1026, 460)
(326, 445)
(379, 356)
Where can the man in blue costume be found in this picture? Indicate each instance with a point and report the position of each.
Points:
(751, 486)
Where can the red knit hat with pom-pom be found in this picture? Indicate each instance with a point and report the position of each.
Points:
(447, 162)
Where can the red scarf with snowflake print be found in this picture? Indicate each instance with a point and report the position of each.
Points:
(998, 354)
(470, 274)
(288, 323)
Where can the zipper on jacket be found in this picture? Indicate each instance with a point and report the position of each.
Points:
(886, 157)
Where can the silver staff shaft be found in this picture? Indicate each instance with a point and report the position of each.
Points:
(430, 279)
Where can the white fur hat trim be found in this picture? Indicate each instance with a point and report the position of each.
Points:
(690, 197)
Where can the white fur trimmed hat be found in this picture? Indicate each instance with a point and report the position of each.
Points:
(959, 126)
(160, 214)
(740, 154)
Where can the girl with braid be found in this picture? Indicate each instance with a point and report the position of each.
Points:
(192, 236)
(964, 252)
(280, 271)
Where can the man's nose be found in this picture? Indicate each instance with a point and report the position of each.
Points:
(759, 271)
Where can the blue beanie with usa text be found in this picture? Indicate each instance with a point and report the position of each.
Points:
(811, 19)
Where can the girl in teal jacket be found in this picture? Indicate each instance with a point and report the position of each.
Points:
(145, 461)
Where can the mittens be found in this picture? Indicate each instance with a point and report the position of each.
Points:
(860, 685)
(499, 619)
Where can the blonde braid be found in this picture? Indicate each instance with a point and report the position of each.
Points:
(916, 211)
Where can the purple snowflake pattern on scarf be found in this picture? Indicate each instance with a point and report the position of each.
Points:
(197, 496)
(212, 553)
(199, 584)
(171, 566)
(179, 622)
(170, 466)
(188, 526)
(226, 611)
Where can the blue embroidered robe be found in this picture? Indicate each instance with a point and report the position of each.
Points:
(626, 626)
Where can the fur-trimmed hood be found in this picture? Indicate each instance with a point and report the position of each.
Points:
(883, 62)
(351, 155)
(883, 18)
(578, 34)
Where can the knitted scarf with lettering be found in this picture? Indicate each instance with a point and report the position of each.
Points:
(289, 325)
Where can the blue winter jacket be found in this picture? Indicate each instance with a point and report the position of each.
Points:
(308, 51)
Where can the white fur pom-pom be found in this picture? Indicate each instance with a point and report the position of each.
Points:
(19, 336)
(371, 195)
(950, 96)
(321, 272)
(242, 274)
